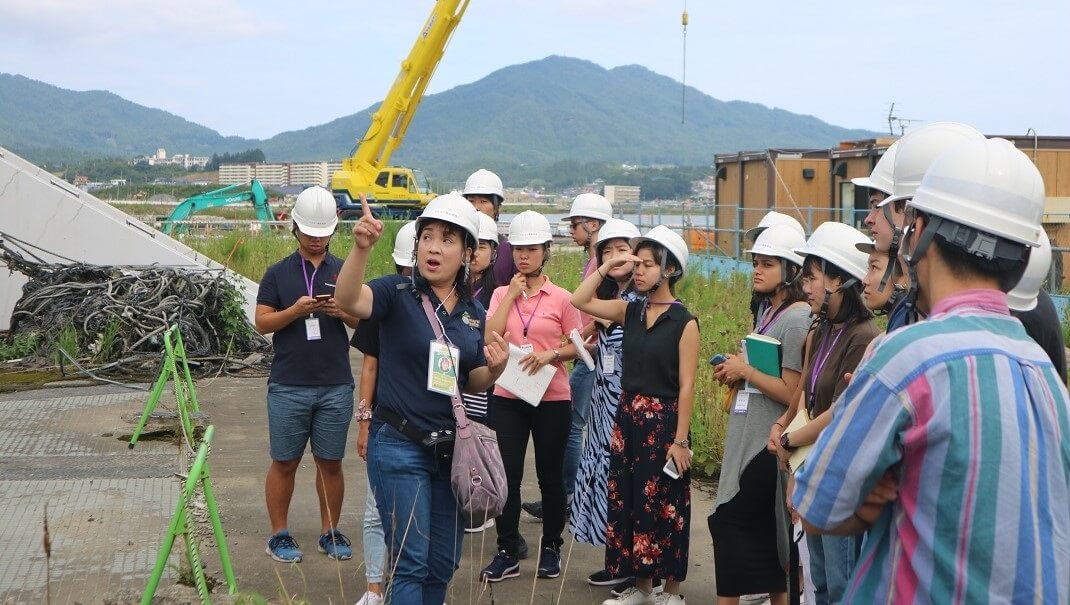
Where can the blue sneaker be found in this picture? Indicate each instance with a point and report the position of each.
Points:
(283, 548)
(503, 566)
(549, 563)
(335, 545)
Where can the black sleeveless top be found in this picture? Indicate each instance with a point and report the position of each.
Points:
(651, 364)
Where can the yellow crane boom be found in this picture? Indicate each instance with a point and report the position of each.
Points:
(367, 171)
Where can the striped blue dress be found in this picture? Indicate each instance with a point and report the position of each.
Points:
(589, 506)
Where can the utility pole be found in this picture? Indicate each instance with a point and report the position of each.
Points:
(683, 90)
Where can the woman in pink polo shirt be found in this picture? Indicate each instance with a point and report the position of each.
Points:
(536, 315)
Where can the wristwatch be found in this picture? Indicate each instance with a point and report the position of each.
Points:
(684, 443)
(363, 413)
(785, 442)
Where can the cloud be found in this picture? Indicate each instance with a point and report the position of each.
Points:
(116, 22)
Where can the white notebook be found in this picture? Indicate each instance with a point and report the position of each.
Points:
(581, 350)
(520, 383)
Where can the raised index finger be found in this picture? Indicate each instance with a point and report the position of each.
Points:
(364, 205)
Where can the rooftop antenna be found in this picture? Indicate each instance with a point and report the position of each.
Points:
(896, 121)
(683, 91)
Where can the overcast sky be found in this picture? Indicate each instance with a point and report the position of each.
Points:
(258, 68)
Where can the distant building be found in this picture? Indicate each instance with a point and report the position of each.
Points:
(309, 173)
(279, 174)
(185, 160)
(80, 180)
(621, 194)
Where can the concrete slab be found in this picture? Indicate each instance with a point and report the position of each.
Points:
(240, 459)
(108, 507)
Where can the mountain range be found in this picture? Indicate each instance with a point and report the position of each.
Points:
(536, 113)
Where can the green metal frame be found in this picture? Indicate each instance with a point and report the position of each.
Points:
(185, 393)
(180, 526)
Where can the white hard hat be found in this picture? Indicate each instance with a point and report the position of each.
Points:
(615, 228)
(488, 229)
(404, 243)
(453, 209)
(483, 182)
(868, 247)
(779, 241)
(881, 177)
(772, 218)
(918, 149)
(315, 212)
(989, 185)
(837, 243)
(1023, 297)
(668, 239)
(591, 205)
(529, 228)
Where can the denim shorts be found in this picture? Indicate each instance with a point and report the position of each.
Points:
(298, 413)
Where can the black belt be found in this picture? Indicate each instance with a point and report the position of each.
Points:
(438, 440)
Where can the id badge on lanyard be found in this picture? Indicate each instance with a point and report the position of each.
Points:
(742, 403)
(312, 328)
(442, 368)
(312, 324)
(609, 363)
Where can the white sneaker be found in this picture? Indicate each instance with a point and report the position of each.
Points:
(475, 530)
(631, 596)
(669, 599)
(370, 598)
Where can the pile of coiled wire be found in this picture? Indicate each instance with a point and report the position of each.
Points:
(114, 317)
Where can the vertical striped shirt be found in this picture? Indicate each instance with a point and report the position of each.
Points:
(972, 417)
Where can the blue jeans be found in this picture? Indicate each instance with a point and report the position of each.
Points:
(421, 524)
(298, 414)
(582, 384)
(832, 560)
(374, 545)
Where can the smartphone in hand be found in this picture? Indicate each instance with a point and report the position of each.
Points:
(323, 297)
(717, 360)
(670, 467)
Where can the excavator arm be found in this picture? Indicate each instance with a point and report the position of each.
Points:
(391, 121)
(214, 199)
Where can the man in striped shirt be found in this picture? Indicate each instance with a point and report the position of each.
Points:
(964, 413)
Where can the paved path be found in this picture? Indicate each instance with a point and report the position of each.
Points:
(109, 507)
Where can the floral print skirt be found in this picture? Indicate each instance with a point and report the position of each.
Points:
(649, 512)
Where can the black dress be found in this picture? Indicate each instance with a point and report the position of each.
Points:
(649, 513)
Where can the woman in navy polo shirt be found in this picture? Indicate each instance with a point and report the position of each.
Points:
(422, 526)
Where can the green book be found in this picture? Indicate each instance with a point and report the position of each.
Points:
(763, 352)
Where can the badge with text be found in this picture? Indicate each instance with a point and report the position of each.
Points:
(527, 348)
(609, 363)
(742, 402)
(312, 328)
(441, 368)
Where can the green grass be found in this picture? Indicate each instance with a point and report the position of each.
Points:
(251, 254)
(67, 341)
(22, 345)
(722, 308)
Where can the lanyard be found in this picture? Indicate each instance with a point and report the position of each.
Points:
(647, 303)
(764, 327)
(308, 280)
(527, 324)
(476, 294)
(822, 356)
